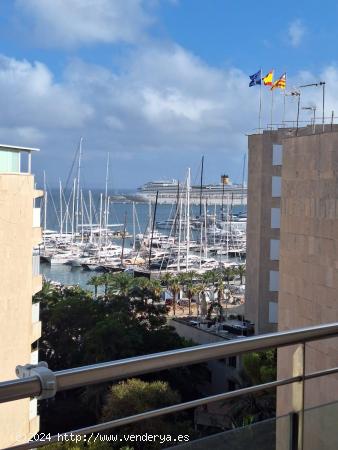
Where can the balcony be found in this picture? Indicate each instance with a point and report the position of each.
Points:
(36, 217)
(300, 429)
(36, 264)
(15, 159)
(35, 312)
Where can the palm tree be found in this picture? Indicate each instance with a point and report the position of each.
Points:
(174, 288)
(190, 291)
(155, 289)
(121, 284)
(95, 281)
(200, 289)
(229, 274)
(240, 270)
(106, 279)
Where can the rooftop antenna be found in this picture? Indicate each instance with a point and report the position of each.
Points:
(313, 109)
(322, 84)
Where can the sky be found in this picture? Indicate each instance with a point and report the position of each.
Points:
(155, 83)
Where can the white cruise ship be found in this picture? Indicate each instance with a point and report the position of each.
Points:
(213, 193)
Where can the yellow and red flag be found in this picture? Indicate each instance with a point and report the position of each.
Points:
(268, 79)
(280, 83)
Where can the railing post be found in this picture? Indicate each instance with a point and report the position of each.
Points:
(294, 431)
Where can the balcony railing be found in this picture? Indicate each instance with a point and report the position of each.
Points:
(46, 383)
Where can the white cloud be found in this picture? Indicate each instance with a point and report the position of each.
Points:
(34, 102)
(69, 23)
(156, 116)
(296, 32)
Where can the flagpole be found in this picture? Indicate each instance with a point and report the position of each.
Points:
(260, 106)
(283, 121)
(271, 108)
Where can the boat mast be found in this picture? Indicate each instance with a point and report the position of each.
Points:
(222, 208)
(45, 208)
(61, 212)
(106, 195)
(201, 185)
(90, 216)
(134, 228)
(177, 206)
(152, 229)
(179, 236)
(124, 237)
(205, 230)
(73, 210)
(81, 216)
(78, 185)
(188, 219)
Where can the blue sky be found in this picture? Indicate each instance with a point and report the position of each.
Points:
(156, 83)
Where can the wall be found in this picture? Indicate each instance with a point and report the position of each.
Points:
(16, 243)
(261, 171)
(309, 265)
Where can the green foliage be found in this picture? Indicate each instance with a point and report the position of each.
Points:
(78, 329)
(135, 396)
(260, 367)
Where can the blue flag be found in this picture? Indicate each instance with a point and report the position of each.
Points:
(256, 78)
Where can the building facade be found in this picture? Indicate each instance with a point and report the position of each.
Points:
(308, 291)
(292, 259)
(20, 233)
(263, 229)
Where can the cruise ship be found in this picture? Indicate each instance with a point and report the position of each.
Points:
(213, 193)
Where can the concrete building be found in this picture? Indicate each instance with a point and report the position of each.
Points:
(308, 291)
(292, 258)
(263, 229)
(20, 327)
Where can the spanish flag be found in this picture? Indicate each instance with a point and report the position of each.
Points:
(280, 83)
(268, 79)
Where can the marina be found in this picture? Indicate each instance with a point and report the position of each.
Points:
(91, 232)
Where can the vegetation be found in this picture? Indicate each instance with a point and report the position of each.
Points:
(258, 368)
(122, 318)
(79, 329)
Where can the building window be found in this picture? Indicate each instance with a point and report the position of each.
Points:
(275, 217)
(276, 186)
(277, 155)
(274, 280)
(273, 312)
(9, 161)
(274, 249)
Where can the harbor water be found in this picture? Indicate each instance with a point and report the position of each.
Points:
(119, 213)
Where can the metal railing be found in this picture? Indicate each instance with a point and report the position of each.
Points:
(35, 386)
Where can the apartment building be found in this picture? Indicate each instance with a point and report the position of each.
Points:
(263, 229)
(20, 233)
(308, 291)
(292, 257)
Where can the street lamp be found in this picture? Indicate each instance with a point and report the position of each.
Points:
(313, 109)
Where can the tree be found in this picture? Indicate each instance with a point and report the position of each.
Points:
(121, 284)
(135, 396)
(78, 331)
(240, 270)
(106, 280)
(174, 288)
(95, 281)
(190, 291)
(258, 368)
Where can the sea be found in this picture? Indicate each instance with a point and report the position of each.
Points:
(119, 213)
